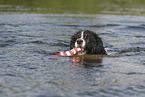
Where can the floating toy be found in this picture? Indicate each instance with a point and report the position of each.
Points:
(71, 52)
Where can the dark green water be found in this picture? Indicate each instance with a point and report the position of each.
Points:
(31, 30)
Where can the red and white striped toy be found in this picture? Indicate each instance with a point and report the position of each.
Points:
(69, 53)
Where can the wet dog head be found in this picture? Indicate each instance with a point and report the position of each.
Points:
(89, 41)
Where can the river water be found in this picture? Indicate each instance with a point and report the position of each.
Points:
(28, 39)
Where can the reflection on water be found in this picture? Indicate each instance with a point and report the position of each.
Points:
(87, 61)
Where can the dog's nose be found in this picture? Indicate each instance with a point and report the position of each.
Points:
(79, 41)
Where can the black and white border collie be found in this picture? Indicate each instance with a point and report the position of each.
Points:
(89, 41)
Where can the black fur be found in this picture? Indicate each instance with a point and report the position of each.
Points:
(94, 44)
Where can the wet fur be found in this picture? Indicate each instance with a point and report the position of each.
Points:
(94, 44)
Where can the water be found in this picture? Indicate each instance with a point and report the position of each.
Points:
(28, 39)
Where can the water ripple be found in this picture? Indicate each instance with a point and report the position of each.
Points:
(27, 69)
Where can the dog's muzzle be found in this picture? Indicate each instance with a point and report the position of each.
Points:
(80, 43)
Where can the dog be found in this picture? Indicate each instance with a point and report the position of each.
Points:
(89, 41)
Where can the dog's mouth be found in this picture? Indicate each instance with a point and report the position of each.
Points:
(81, 52)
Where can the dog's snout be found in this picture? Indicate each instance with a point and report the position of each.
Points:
(80, 41)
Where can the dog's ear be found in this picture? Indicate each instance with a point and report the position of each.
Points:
(95, 46)
(100, 48)
(72, 42)
(74, 38)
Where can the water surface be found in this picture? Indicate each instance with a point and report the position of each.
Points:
(28, 38)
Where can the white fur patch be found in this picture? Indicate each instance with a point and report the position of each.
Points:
(82, 34)
(83, 43)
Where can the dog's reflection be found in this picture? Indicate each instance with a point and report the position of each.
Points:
(87, 61)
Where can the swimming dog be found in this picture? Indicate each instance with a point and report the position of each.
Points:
(89, 41)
